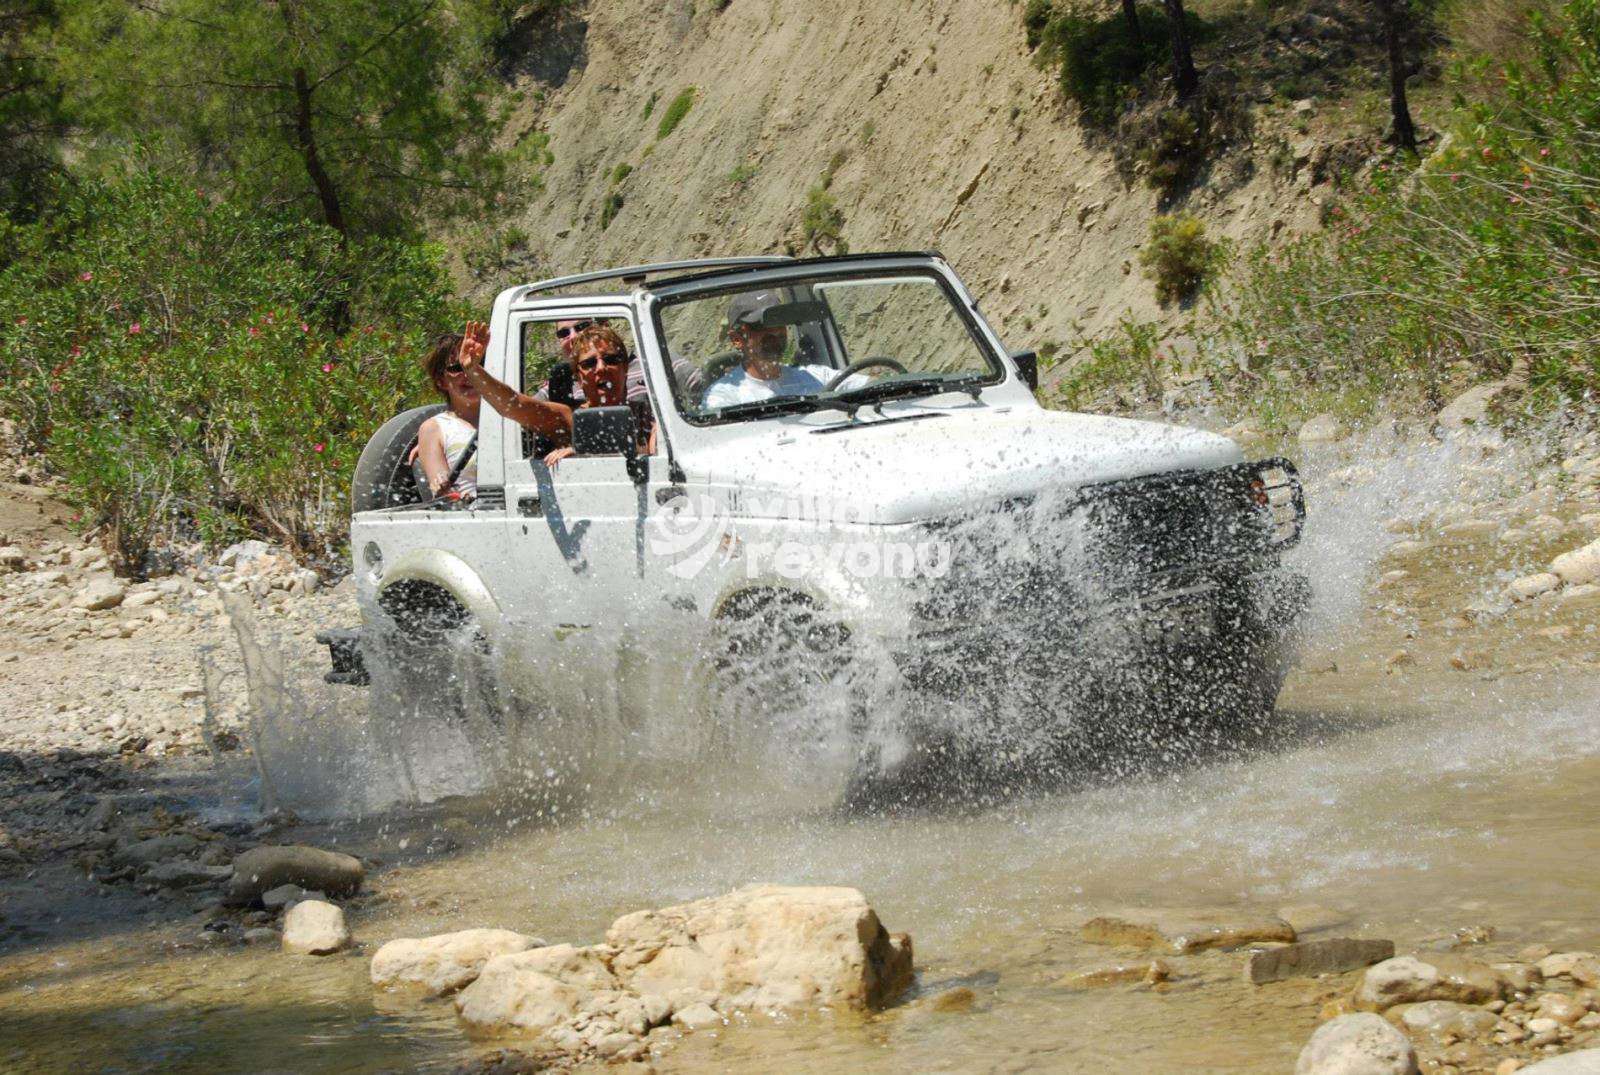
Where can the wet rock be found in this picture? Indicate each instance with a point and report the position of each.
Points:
(1562, 1008)
(1357, 1045)
(951, 1001)
(1582, 967)
(1472, 407)
(1579, 566)
(1440, 1017)
(180, 873)
(1321, 430)
(1469, 530)
(1307, 959)
(1584, 595)
(1531, 586)
(1413, 979)
(276, 899)
(1518, 977)
(446, 963)
(155, 849)
(1584, 1062)
(100, 594)
(697, 1017)
(263, 868)
(314, 928)
(536, 989)
(261, 935)
(1185, 930)
(1157, 970)
(767, 946)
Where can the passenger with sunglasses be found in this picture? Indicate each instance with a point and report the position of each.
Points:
(444, 441)
(600, 360)
(562, 384)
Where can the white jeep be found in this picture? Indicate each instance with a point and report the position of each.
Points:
(894, 497)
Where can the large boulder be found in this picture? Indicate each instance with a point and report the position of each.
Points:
(314, 928)
(263, 868)
(1361, 1044)
(535, 990)
(446, 963)
(1580, 566)
(1185, 930)
(766, 946)
(1413, 979)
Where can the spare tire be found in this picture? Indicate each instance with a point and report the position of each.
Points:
(384, 478)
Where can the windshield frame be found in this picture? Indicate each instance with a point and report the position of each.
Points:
(683, 290)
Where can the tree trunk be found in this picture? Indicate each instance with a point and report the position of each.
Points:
(1131, 14)
(1184, 79)
(1405, 132)
(306, 139)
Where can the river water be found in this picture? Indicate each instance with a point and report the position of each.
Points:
(1410, 797)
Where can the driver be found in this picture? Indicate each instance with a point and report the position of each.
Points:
(761, 340)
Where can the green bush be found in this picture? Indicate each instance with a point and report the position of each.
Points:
(195, 369)
(1176, 150)
(610, 208)
(1097, 56)
(822, 221)
(741, 175)
(1485, 259)
(676, 110)
(621, 172)
(1178, 257)
(1128, 358)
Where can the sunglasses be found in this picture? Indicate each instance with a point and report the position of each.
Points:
(454, 367)
(593, 361)
(577, 326)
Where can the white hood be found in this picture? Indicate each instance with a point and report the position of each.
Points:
(901, 468)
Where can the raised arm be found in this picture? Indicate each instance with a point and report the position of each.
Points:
(430, 452)
(554, 420)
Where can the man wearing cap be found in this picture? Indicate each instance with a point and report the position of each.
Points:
(761, 339)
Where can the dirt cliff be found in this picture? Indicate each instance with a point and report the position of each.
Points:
(930, 123)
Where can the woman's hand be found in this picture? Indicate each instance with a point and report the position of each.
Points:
(474, 345)
(558, 455)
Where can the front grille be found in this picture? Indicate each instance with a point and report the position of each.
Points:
(1113, 543)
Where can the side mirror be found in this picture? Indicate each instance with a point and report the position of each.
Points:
(1028, 365)
(607, 431)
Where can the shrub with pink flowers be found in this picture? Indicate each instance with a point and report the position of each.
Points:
(194, 370)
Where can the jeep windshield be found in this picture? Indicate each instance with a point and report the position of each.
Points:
(820, 343)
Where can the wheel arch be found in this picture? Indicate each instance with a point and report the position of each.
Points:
(431, 575)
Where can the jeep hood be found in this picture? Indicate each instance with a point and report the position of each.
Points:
(922, 463)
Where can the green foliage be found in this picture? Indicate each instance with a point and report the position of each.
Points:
(1178, 257)
(1485, 259)
(835, 162)
(676, 110)
(1129, 358)
(822, 221)
(610, 208)
(741, 175)
(176, 357)
(650, 105)
(367, 117)
(1177, 149)
(621, 172)
(1097, 57)
(31, 122)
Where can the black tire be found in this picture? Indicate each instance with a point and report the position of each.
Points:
(383, 477)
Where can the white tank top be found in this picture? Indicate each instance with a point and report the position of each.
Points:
(457, 433)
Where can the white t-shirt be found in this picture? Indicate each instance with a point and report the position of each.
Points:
(738, 386)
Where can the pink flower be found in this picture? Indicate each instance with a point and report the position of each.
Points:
(22, 320)
(1544, 152)
(1487, 153)
(317, 447)
(304, 327)
(254, 331)
(327, 367)
(86, 276)
(135, 328)
(76, 350)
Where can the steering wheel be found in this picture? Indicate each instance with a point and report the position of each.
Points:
(864, 364)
